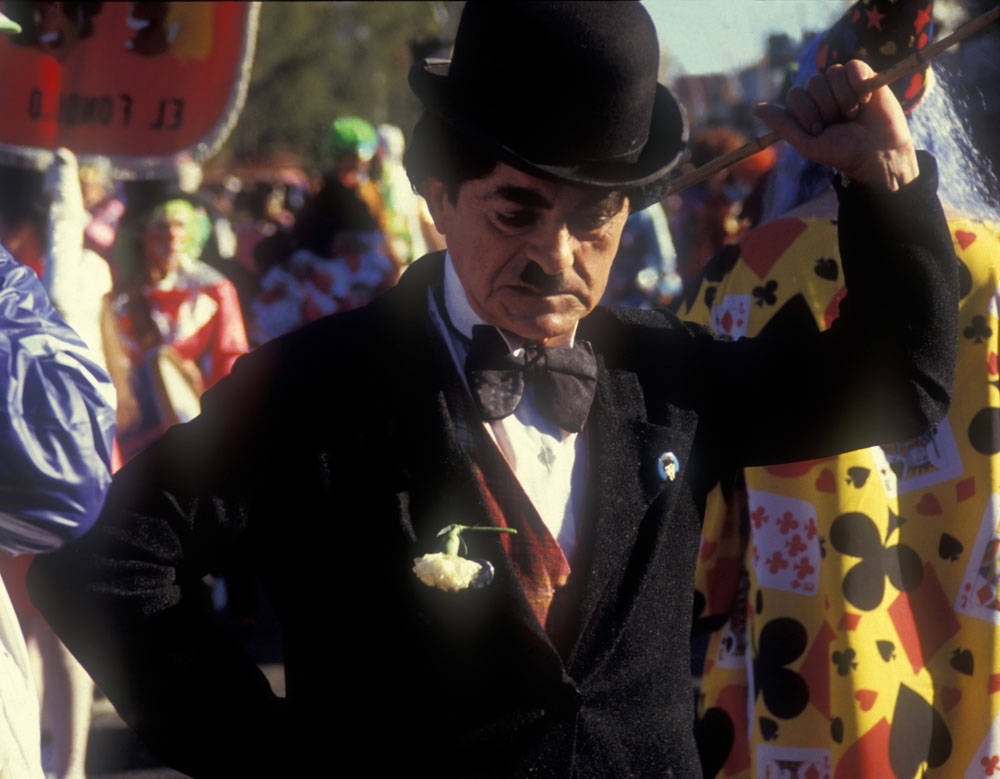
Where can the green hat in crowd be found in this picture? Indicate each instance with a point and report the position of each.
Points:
(8, 25)
(351, 135)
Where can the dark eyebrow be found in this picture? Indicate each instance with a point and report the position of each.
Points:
(522, 196)
(608, 202)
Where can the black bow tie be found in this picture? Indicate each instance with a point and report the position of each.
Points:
(563, 378)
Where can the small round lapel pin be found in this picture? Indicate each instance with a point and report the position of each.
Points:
(667, 466)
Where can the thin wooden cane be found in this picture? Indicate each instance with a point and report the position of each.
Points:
(904, 67)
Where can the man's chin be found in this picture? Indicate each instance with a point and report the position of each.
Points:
(546, 328)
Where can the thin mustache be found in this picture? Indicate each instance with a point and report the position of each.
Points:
(534, 276)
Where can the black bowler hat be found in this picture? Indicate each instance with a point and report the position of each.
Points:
(563, 90)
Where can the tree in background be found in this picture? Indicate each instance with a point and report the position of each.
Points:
(317, 61)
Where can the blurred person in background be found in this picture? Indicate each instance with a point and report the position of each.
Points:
(404, 209)
(644, 273)
(42, 220)
(55, 435)
(853, 600)
(338, 255)
(103, 204)
(178, 318)
(706, 216)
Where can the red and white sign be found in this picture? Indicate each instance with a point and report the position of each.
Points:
(142, 80)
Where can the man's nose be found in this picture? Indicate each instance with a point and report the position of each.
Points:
(552, 249)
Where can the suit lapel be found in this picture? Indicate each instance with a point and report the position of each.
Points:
(622, 485)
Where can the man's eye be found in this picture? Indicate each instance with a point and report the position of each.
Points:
(515, 218)
(588, 223)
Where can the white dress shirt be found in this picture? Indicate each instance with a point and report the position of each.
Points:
(547, 460)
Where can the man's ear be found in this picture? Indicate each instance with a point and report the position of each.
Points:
(436, 195)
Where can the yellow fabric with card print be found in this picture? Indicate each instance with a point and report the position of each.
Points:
(861, 591)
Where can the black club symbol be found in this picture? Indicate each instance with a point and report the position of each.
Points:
(845, 661)
(855, 535)
(782, 641)
(766, 294)
(978, 330)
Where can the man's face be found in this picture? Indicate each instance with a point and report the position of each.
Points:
(533, 255)
(163, 243)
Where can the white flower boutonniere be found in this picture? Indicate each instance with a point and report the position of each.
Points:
(448, 570)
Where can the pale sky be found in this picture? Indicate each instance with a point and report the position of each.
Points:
(723, 36)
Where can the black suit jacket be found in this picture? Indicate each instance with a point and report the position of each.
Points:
(332, 452)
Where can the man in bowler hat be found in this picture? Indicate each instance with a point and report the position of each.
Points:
(488, 390)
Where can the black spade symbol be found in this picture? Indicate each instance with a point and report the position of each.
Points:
(710, 293)
(721, 262)
(964, 280)
(962, 661)
(950, 547)
(768, 728)
(837, 730)
(714, 734)
(918, 733)
(708, 624)
(857, 476)
(887, 649)
(826, 268)
(759, 602)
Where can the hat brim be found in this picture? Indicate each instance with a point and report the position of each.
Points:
(667, 139)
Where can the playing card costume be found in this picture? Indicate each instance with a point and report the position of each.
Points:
(860, 590)
(852, 600)
(181, 332)
(341, 452)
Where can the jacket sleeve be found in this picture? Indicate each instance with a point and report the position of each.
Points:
(56, 420)
(882, 372)
(129, 600)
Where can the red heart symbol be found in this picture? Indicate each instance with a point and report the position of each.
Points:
(833, 307)
(792, 470)
(991, 364)
(929, 504)
(994, 683)
(825, 481)
(866, 698)
(916, 84)
(949, 697)
(762, 247)
(821, 58)
(964, 238)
